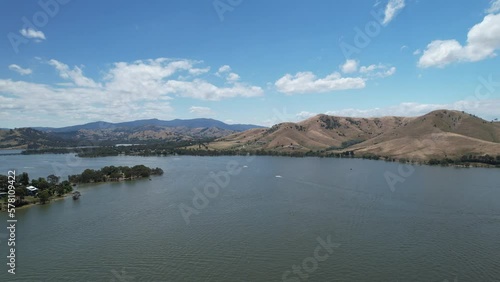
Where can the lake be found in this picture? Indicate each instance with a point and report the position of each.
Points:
(260, 219)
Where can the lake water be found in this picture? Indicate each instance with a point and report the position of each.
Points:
(270, 216)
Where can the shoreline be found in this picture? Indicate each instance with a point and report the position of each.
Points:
(38, 204)
(208, 153)
(70, 194)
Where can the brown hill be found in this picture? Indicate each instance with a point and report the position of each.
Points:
(439, 134)
(316, 133)
(22, 138)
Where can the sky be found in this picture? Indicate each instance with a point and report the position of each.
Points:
(67, 62)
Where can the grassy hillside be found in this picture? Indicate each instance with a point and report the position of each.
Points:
(439, 134)
(316, 133)
(24, 138)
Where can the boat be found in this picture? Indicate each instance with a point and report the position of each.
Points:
(76, 195)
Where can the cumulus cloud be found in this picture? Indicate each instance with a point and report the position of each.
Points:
(126, 91)
(233, 77)
(379, 70)
(155, 76)
(494, 7)
(20, 70)
(223, 69)
(197, 71)
(226, 72)
(350, 66)
(483, 40)
(145, 77)
(305, 115)
(307, 82)
(75, 74)
(32, 34)
(201, 111)
(201, 89)
(392, 9)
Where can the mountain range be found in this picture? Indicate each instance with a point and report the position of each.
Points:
(439, 134)
(105, 133)
(187, 123)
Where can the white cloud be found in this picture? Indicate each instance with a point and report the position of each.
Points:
(75, 74)
(307, 82)
(201, 111)
(392, 9)
(20, 70)
(126, 91)
(404, 47)
(233, 77)
(379, 70)
(417, 52)
(494, 7)
(154, 77)
(305, 115)
(33, 34)
(223, 69)
(483, 40)
(71, 105)
(487, 109)
(200, 89)
(350, 66)
(145, 77)
(196, 71)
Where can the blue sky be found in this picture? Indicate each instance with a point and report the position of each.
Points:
(243, 61)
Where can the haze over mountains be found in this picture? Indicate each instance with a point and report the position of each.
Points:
(439, 134)
(187, 123)
(106, 133)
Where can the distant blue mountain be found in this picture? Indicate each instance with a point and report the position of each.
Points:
(188, 123)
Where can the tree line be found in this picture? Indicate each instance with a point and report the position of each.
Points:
(47, 187)
(51, 186)
(114, 173)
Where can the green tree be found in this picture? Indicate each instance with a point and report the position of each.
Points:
(87, 176)
(24, 179)
(34, 182)
(42, 184)
(21, 192)
(60, 190)
(157, 171)
(126, 171)
(141, 171)
(44, 197)
(4, 184)
(115, 175)
(66, 186)
(99, 176)
(52, 179)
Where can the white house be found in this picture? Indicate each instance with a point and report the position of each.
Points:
(32, 190)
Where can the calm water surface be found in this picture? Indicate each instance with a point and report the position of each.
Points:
(439, 224)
